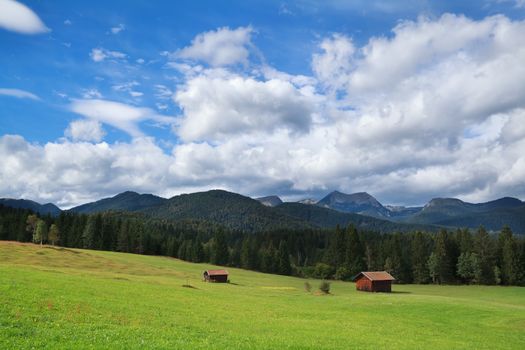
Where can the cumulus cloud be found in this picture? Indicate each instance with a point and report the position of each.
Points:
(220, 47)
(418, 114)
(118, 115)
(70, 173)
(18, 93)
(333, 65)
(216, 107)
(19, 18)
(100, 54)
(85, 130)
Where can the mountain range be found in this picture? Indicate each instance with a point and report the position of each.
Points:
(238, 212)
(43, 209)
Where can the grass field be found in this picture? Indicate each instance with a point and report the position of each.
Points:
(67, 298)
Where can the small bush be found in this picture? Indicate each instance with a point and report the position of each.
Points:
(325, 287)
(307, 287)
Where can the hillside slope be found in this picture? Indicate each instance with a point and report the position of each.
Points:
(326, 218)
(492, 215)
(231, 210)
(56, 298)
(43, 209)
(125, 201)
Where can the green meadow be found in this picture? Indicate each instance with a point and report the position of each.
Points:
(58, 298)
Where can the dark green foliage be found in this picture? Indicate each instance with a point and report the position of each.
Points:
(230, 210)
(468, 268)
(284, 267)
(42, 209)
(491, 215)
(420, 252)
(443, 265)
(508, 257)
(485, 250)
(411, 257)
(325, 287)
(355, 252)
(220, 249)
(126, 201)
(328, 218)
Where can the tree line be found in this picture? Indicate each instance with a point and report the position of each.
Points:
(449, 256)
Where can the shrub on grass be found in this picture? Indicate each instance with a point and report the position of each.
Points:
(307, 287)
(325, 287)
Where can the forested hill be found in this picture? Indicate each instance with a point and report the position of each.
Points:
(126, 201)
(328, 218)
(492, 215)
(240, 213)
(233, 211)
(44, 209)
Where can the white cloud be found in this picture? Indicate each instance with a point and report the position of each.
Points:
(18, 93)
(332, 67)
(69, 173)
(118, 29)
(129, 88)
(19, 18)
(68, 22)
(85, 130)
(216, 107)
(418, 114)
(220, 47)
(163, 92)
(118, 115)
(91, 93)
(100, 54)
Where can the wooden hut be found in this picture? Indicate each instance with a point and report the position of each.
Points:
(374, 281)
(220, 276)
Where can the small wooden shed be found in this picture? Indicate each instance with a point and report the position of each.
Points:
(374, 281)
(220, 276)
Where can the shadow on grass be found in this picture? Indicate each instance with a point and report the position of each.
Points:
(234, 284)
(189, 286)
(400, 292)
(63, 249)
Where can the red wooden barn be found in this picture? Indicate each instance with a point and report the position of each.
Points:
(220, 276)
(374, 281)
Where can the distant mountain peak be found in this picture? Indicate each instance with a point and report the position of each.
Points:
(270, 201)
(359, 202)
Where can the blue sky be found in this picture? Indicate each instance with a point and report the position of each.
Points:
(261, 97)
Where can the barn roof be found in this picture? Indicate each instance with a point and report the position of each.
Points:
(375, 276)
(217, 272)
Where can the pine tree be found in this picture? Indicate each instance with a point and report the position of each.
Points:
(220, 249)
(508, 257)
(88, 235)
(335, 255)
(484, 248)
(445, 269)
(284, 267)
(354, 255)
(419, 258)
